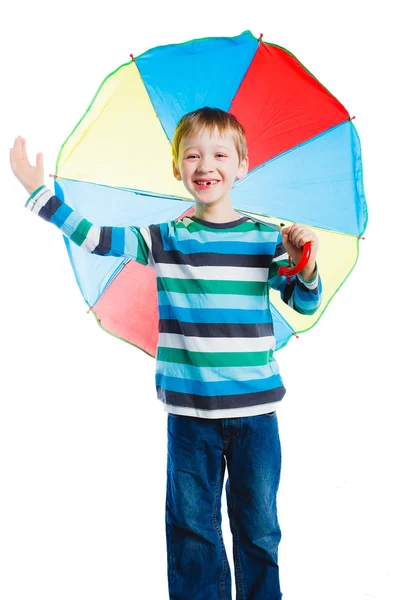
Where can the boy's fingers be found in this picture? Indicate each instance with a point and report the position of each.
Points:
(12, 160)
(18, 149)
(23, 148)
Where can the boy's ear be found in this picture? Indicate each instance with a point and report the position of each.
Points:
(243, 168)
(176, 171)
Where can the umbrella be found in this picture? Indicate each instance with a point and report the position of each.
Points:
(304, 166)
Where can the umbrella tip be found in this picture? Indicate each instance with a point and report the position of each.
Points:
(261, 36)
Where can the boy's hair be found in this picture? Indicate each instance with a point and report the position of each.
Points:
(209, 118)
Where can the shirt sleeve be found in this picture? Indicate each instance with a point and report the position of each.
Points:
(131, 241)
(304, 297)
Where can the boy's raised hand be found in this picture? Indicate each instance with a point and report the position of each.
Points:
(29, 175)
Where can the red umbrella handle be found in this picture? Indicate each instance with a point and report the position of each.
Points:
(290, 271)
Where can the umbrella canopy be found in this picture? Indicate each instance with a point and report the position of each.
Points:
(304, 166)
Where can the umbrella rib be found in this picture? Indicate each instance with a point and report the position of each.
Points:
(124, 189)
(251, 215)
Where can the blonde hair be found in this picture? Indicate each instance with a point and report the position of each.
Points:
(209, 118)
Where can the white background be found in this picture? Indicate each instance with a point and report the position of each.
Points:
(82, 435)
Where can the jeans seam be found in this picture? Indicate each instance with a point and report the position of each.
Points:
(171, 565)
(236, 557)
(170, 549)
(214, 521)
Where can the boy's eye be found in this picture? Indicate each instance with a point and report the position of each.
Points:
(196, 155)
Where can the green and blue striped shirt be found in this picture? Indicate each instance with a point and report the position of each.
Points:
(215, 352)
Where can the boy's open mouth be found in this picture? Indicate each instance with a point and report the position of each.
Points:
(208, 183)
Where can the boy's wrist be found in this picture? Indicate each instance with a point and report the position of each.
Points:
(31, 189)
(309, 272)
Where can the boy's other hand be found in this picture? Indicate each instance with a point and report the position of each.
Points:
(31, 177)
(293, 238)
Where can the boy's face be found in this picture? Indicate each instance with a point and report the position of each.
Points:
(209, 157)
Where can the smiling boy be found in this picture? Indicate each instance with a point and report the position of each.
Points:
(207, 163)
(215, 372)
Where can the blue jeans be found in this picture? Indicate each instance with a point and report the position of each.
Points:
(198, 450)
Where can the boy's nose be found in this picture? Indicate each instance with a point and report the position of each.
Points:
(205, 168)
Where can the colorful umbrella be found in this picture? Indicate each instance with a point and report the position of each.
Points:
(304, 154)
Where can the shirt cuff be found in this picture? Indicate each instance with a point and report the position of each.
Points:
(312, 282)
(34, 194)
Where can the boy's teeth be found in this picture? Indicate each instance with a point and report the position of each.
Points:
(207, 182)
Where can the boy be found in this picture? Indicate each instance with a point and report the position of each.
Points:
(215, 371)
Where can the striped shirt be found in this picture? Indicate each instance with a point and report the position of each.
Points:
(215, 352)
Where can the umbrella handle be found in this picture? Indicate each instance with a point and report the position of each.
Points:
(290, 271)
